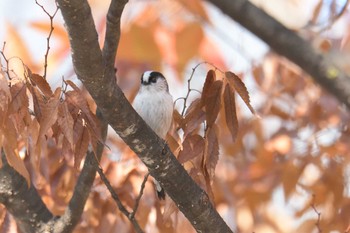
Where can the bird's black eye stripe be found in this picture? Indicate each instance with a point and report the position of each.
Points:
(153, 79)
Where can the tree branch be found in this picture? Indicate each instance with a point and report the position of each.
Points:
(290, 45)
(112, 32)
(22, 202)
(162, 164)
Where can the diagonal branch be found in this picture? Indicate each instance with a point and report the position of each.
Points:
(154, 153)
(289, 44)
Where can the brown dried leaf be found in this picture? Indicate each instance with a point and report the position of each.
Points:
(178, 119)
(19, 98)
(42, 84)
(49, 111)
(237, 84)
(209, 80)
(213, 102)
(193, 146)
(81, 141)
(194, 117)
(173, 143)
(5, 94)
(66, 122)
(77, 98)
(10, 147)
(81, 148)
(211, 151)
(230, 111)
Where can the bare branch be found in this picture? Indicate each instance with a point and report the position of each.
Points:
(137, 202)
(289, 44)
(112, 32)
(50, 33)
(120, 205)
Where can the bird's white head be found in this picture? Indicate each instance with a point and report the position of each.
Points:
(154, 80)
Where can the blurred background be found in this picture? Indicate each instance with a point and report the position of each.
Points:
(287, 170)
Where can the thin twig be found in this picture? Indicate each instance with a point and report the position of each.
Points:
(50, 33)
(318, 222)
(2, 52)
(137, 202)
(189, 89)
(120, 205)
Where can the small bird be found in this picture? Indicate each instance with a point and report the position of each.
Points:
(154, 104)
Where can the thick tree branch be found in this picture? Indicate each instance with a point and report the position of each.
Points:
(290, 45)
(89, 66)
(22, 202)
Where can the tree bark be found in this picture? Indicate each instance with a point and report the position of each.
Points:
(287, 43)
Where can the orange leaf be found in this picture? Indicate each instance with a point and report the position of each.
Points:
(10, 147)
(210, 52)
(209, 80)
(66, 122)
(213, 102)
(131, 48)
(193, 146)
(230, 111)
(5, 94)
(49, 111)
(241, 89)
(194, 117)
(76, 97)
(19, 98)
(17, 47)
(191, 34)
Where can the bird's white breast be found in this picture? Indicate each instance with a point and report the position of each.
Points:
(156, 109)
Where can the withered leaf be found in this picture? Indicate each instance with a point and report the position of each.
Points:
(237, 84)
(211, 151)
(194, 117)
(81, 141)
(5, 94)
(19, 98)
(209, 80)
(10, 147)
(42, 84)
(49, 111)
(213, 102)
(77, 98)
(193, 146)
(230, 111)
(66, 122)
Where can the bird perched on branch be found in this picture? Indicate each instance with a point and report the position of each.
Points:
(154, 104)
